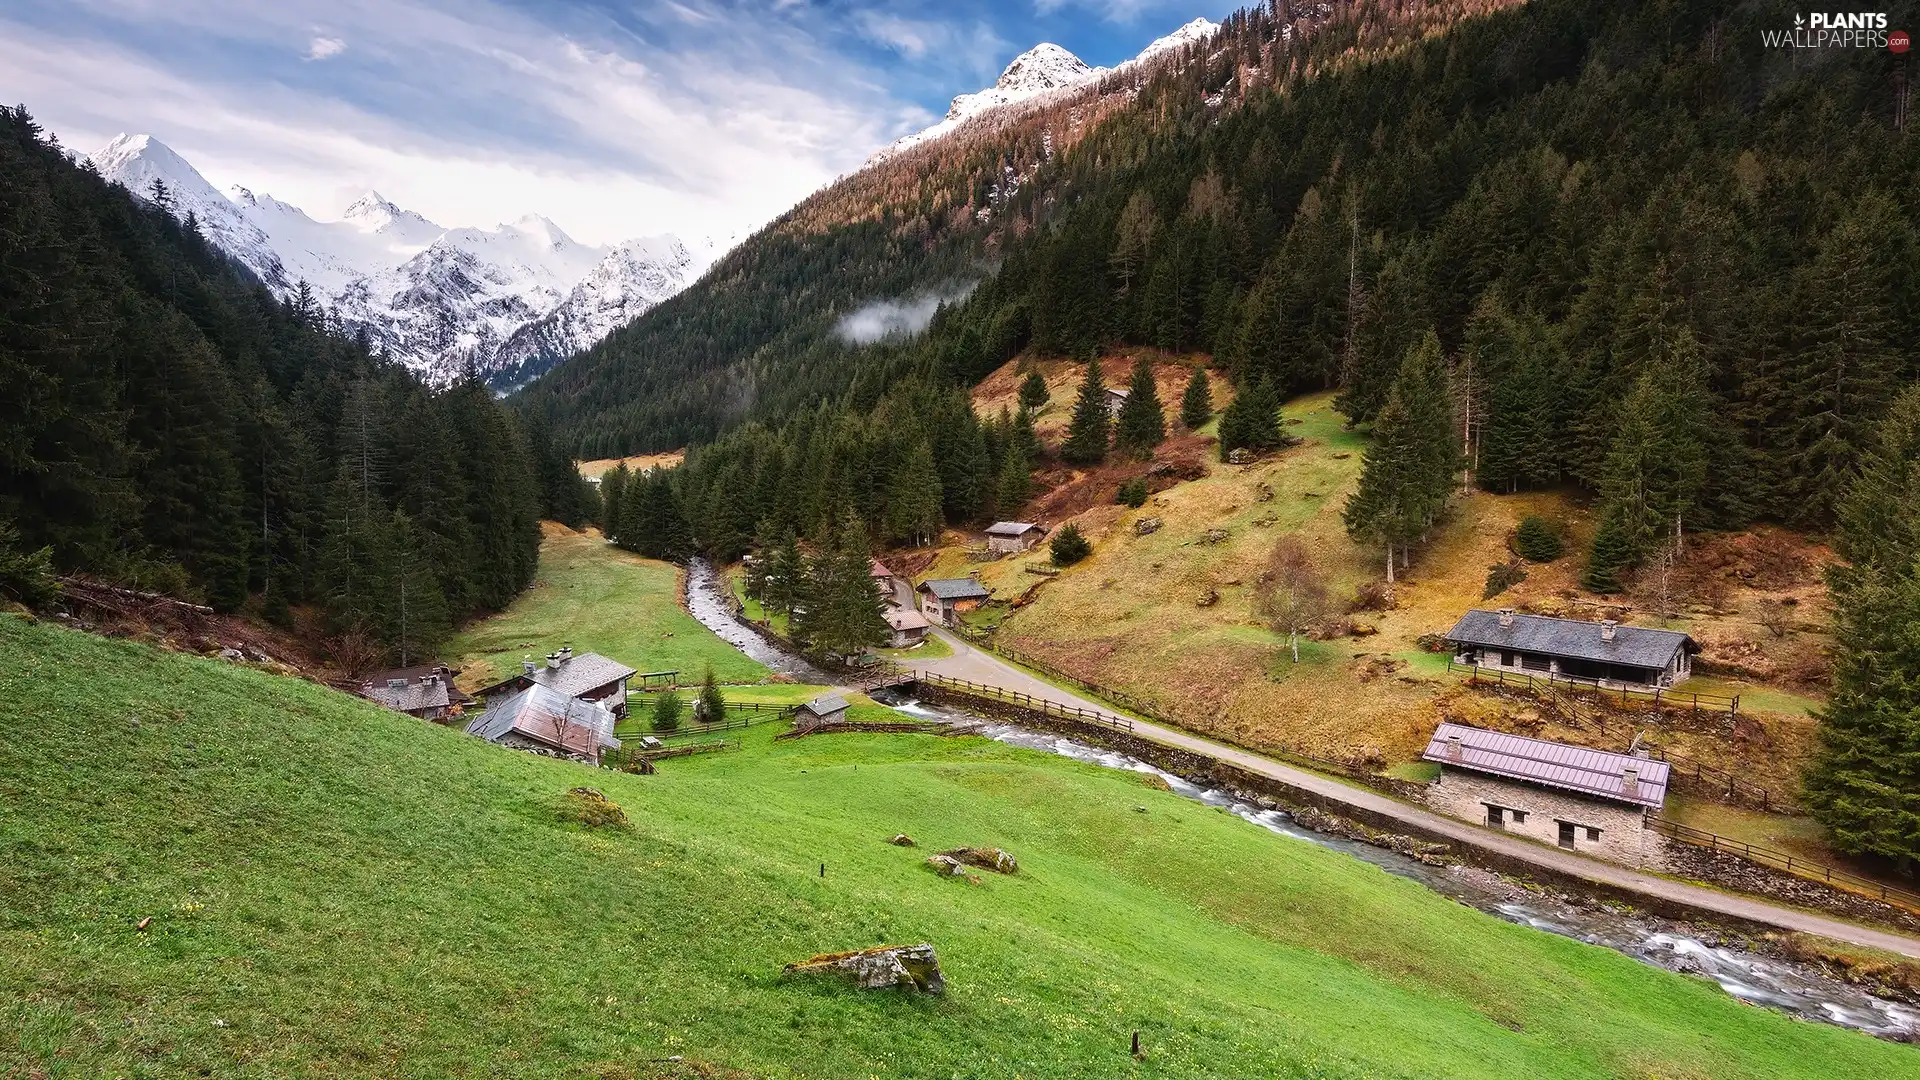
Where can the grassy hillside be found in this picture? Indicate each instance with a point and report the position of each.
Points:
(338, 890)
(600, 599)
(1169, 617)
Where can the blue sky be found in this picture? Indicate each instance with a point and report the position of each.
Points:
(616, 119)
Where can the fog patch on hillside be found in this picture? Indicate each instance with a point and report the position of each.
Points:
(900, 318)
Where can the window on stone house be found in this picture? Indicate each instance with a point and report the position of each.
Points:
(1566, 834)
(1519, 816)
(1495, 815)
(1593, 833)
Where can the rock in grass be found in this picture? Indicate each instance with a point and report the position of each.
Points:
(985, 858)
(587, 806)
(946, 865)
(901, 840)
(909, 967)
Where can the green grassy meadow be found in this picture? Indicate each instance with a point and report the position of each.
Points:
(599, 599)
(339, 890)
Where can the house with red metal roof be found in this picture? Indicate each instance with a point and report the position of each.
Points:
(1595, 801)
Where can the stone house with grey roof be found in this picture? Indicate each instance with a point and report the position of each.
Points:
(944, 600)
(543, 720)
(1594, 801)
(587, 676)
(426, 692)
(1603, 653)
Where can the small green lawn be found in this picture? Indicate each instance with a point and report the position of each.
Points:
(1752, 696)
(338, 890)
(599, 599)
(930, 648)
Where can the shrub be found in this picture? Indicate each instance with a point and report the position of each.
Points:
(666, 712)
(1538, 540)
(1503, 576)
(1070, 546)
(1132, 493)
(712, 708)
(587, 806)
(1371, 596)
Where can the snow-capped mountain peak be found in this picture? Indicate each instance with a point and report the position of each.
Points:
(1044, 69)
(512, 300)
(1194, 31)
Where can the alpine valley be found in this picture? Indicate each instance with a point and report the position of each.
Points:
(510, 301)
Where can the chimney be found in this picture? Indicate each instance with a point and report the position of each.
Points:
(1630, 780)
(1506, 617)
(528, 665)
(1607, 627)
(553, 661)
(566, 653)
(1454, 747)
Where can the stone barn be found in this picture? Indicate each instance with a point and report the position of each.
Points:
(828, 709)
(944, 600)
(542, 719)
(1013, 537)
(906, 628)
(1593, 801)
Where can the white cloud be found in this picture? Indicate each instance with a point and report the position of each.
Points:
(906, 317)
(975, 46)
(470, 115)
(322, 47)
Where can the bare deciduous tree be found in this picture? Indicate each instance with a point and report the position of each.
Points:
(1292, 592)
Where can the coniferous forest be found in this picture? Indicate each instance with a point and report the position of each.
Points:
(168, 424)
(1659, 262)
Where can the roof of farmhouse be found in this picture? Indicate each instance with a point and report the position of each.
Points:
(1632, 646)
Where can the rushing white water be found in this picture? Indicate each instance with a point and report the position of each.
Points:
(1779, 984)
(706, 601)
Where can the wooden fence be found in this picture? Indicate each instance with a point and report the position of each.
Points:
(1780, 860)
(1148, 709)
(1722, 782)
(1659, 697)
(1027, 701)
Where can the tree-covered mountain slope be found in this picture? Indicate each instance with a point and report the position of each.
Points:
(207, 870)
(168, 423)
(756, 338)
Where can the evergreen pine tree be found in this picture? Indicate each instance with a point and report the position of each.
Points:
(711, 707)
(1033, 391)
(845, 614)
(1196, 403)
(913, 497)
(1389, 322)
(1087, 434)
(784, 569)
(1023, 439)
(1413, 459)
(1864, 781)
(1657, 467)
(1252, 420)
(666, 711)
(613, 484)
(1142, 424)
(1014, 484)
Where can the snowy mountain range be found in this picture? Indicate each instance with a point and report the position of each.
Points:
(1044, 69)
(512, 300)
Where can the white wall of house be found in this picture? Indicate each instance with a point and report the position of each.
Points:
(1540, 813)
